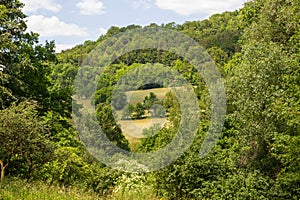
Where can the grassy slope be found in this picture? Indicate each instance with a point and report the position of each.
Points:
(134, 128)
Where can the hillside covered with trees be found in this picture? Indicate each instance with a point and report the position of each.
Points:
(257, 51)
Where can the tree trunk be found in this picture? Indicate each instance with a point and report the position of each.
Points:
(29, 171)
(2, 170)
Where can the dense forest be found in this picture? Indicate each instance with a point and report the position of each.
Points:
(257, 51)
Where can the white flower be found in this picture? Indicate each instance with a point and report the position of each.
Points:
(2, 67)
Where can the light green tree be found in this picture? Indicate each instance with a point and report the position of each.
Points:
(23, 137)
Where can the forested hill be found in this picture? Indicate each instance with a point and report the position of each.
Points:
(220, 31)
(257, 51)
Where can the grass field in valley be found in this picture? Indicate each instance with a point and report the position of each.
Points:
(139, 95)
(133, 129)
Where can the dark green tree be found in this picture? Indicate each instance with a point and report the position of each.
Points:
(26, 61)
(108, 125)
(138, 111)
(150, 100)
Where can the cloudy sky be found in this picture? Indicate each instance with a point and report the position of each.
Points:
(71, 22)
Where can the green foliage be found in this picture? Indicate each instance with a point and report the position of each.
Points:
(151, 104)
(133, 186)
(67, 168)
(257, 156)
(157, 137)
(264, 91)
(24, 139)
(111, 129)
(150, 100)
(172, 106)
(77, 54)
(61, 88)
(220, 30)
(102, 179)
(26, 61)
(138, 111)
(62, 131)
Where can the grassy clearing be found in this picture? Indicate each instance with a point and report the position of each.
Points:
(134, 128)
(134, 142)
(135, 97)
(13, 189)
(139, 95)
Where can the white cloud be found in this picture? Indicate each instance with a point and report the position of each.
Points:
(188, 7)
(102, 31)
(145, 4)
(90, 7)
(53, 27)
(32, 6)
(60, 47)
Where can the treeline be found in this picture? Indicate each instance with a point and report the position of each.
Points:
(256, 49)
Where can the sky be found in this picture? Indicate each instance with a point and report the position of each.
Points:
(71, 22)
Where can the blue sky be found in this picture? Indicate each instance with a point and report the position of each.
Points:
(71, 22)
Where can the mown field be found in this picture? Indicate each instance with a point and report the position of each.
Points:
(133, 129)
(139, 95)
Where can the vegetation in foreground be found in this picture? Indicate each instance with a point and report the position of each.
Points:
(14, 188)
(127, 189)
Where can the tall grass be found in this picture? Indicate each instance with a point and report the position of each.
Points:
(128, 188)
(17, 189)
